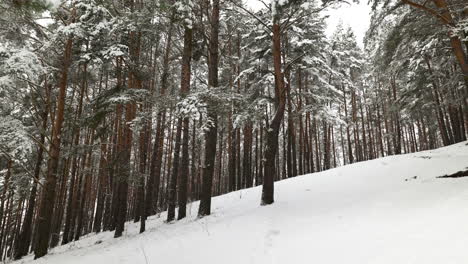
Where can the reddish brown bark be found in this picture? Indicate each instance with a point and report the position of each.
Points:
(271, 147)
(212, 133)
(48, 196)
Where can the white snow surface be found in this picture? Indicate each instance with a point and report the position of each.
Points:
(366, 213)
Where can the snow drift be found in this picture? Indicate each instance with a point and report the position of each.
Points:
(389, 210)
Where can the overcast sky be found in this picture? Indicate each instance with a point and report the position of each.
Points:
(355, 15)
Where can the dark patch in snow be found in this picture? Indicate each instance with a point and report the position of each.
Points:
(426, 157)
(412, 178)
(456, 175)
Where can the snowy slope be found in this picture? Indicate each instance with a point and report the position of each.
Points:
(368, 212)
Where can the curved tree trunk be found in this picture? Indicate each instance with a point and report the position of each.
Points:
(271, 145)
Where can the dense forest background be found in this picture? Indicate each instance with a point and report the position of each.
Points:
(113, 111)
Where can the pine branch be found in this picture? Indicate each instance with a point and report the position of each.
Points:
(429, 10)
(252, 15)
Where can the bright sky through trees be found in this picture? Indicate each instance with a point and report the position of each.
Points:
(355, 15)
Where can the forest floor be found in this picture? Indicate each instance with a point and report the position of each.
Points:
(389, 210)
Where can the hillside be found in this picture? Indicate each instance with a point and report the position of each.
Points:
(389, 210)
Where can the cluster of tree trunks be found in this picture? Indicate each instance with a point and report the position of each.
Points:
(123, 175)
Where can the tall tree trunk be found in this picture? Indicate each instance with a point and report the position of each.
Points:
(124, 170)
(124, 153)
(247, 158)
(4, 211)
(272, 133)
(60, 205)
(172, 187)
(24, 239)
(154, 178)
(48, 193)
(348, 134)
(72, 191)
(143, 150)
(185, 88)
(212, 133)
(396, 116)
(84, 190)
(102, 187)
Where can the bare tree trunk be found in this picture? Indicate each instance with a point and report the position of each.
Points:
(102, 175)
(143, 149)
(48, 193)
(185, 88)
(24, 240)
(212, 133)
(3, 197)
(172, 187)
(348, 134)
(154, 178)
(247, 159)
(124, 155)
(272, 133)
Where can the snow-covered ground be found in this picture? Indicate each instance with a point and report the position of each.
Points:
(390, 210)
